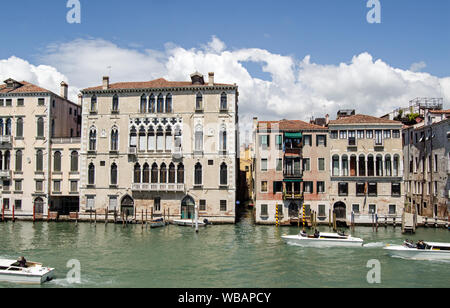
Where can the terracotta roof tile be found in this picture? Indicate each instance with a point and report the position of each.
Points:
(157, 83)
(289, 125)
(25, 88)
(362, 119)
(440, 111)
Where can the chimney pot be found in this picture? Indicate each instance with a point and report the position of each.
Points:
(105, 83)
(64, 90)
(211, 79)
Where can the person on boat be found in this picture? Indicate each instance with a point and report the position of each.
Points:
(316, 234)
(22, 262)
(303, 233)
(420, 245)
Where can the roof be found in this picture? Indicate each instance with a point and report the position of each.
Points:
(24, 87)
(362, 119)
(289, 125)
(440, 111)
(157, 83)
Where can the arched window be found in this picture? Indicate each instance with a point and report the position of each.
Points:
(19, 160)
(151, 139)
(152, 104)
(154, 176)
(223, 174)
(8, 127)
(7, 160)
(388, 165)
(39, 161)
(142, 139)
(379, 165)
(178, 136)
(370, 165)
(94, 103)
(57, 161)
(169, 103)
(40, 127)
(74, 161)
(223, 101)
(133, 137)
(362, 165)
(1, 127)
(172, 174)
(160, 103)
(163, 174)
(169, 143)
(143, 106)
(115, 103)
(91, 174)
(137, 173)
(336, 171)
(199, 101)
(114, 174)
(114, 139)
(39, 205)
(92, 139)
(198, 174)
(160, 139)
(396, 165)
(223, 138)
(19, 128)
(146, 174)
(198, 138)
(180, 174)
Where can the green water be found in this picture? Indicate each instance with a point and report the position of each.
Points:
(243, 255)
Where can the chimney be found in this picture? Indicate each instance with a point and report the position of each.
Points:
(105, 83)
(211, 79)
(64, 90)
(327, 119)
(80, 99)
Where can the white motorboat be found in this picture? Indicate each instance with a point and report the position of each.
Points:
(429, 251)
(31, 273)
(188, 222)
(323, 240)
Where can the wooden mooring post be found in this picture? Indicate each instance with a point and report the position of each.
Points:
(334, 222)
(3, 212)
(142, 218)
(34, 212)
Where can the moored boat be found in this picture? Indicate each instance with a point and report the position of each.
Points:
(323, 240)
(188, 222)
(425, 251)
(29, 273)
(157, 223)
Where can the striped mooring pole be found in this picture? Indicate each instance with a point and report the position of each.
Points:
(304, 216)
(276, 215)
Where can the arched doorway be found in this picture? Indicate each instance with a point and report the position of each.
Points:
(293, 210)
(187, 208)
(340, 210)
(127, 206)
(39, 205)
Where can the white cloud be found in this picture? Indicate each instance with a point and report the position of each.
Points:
(297, 89)
(418, 66)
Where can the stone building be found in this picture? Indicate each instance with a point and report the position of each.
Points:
(37, 130)
(162, 147)
(426, 152)
(291, 169)
(366, 167)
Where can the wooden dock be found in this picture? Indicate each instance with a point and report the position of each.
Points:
(408, 223)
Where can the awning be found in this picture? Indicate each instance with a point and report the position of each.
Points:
(293, 180)
(293, 135)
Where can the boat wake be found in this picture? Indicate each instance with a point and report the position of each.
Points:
(374, 245)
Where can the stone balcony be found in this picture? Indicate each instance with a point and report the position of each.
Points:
(150, 187)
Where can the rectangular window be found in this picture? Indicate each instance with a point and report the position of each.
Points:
(322, 210)
(387, 134)
(372, 208)
(351, 138)
(369, 134)
(157, 204)
(41, 101)
(360, 189)
(20, 102)
(279, 164)
(2, 102)
(435, 163)
(264, 186)
(202, 207)
(378, 137)
(355, 208)
(343, 189)
(168, 143)
(264, 210)
(39, 186)
(223, 205)
(18, 185)
(392, 209)
(373, 189)
(279, 142)
(396, 134)
(151, 142)
(57, 186)
(160, 143)
(396, 189)
(264, 141)
(320, 187)
(277, 187)
(360, 134)
(307, 140)
(6, 204)
(306, 164)
(18, 205)
(321, 164)
(90, 203)
(142, 143)
(334, 134)
(112, 203)
(343, 134)
(9, 102)
(321, 140)
(263, 164)
(73, 186)
(308, 187)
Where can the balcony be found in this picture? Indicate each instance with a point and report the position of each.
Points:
(5, 141)
(5, 174)
(177, 153)
(290, 195)
(156, 187)
(132, 151)
(293, 152)
(297, 174)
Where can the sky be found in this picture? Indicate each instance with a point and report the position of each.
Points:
(285, 55)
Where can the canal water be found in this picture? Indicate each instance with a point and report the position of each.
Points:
(225, 256)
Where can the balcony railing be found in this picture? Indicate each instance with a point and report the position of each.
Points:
(293, 151)
(5, 174)
(293, 174)
(172, 187)
(132, 150)
(289, 195)
(5, 139)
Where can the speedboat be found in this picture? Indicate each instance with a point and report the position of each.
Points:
(427, 251)
(188, 222)
(31, 273)
(323, 240)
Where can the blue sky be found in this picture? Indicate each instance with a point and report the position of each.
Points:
(331, 31)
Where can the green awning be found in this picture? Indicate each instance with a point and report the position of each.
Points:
(293, 180)
(293, 135)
